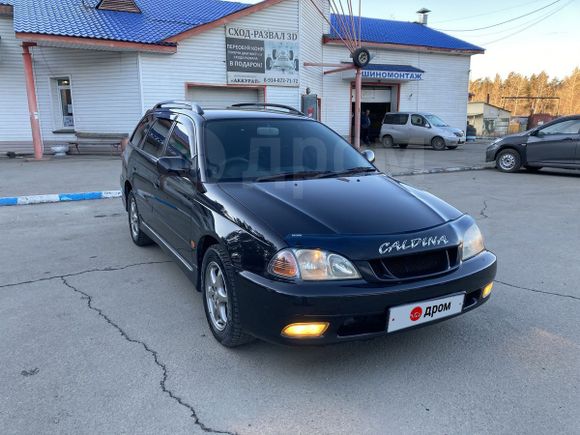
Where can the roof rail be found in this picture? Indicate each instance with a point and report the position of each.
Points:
(179, 104)
(265, 106)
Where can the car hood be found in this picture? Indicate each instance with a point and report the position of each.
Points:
(513, 138)
(365, 205)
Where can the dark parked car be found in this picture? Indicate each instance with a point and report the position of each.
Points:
(555, 144)
(292, 235)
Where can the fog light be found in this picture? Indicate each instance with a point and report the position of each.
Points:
(305, 330)
(486, 290)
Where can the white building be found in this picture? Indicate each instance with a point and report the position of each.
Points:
(98, 65)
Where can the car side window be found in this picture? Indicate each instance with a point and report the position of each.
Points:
(418, 120)
(156, 137)
(572, 126)
(396, 119)
(179, 142)
(140, 131)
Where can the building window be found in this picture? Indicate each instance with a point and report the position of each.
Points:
(63, 102)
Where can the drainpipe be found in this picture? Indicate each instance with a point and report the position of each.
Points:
(32, 103)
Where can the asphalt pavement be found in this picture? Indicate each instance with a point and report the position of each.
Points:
(100, 336)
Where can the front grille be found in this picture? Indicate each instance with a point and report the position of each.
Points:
(417, 265)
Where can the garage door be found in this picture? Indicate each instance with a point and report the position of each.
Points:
(210, 97)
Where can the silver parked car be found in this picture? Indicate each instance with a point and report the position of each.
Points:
(404, 128)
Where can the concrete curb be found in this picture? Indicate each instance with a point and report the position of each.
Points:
(440, 170)
(58, 197)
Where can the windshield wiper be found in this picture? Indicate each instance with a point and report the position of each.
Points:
(349, 171)
(292, 175)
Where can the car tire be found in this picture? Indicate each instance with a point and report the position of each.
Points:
(274, 54)
(268, 63)
(220, 298)
(137, 234)
(508, 160)
(387, 141)
(438, 143)
(296, 64)
(452, 147)
(533, 168)
(403, 145)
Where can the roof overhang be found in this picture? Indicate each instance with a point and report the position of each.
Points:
(223, 21)
(402, 47)
(99, 44)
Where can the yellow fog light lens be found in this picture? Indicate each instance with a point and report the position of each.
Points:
(487, 290)
(305, 330)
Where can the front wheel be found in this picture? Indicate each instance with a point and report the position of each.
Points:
(438, 143)
(388, 141)
(220, 298)
(508, 160)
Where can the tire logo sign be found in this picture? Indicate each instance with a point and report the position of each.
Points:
(416, 314)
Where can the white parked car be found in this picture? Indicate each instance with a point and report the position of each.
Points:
(404, 128)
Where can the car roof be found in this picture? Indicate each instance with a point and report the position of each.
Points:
(409, 113)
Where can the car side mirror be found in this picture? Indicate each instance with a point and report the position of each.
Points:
(369, 155)
(173, 166)
(427, 125)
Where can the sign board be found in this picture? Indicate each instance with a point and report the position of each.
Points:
(379, 74)
(262, 56)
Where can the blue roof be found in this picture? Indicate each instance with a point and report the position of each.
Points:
(386, 67)
(159, 20)
(162, 19)
(404, 33)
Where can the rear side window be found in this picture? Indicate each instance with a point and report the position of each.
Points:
(140, 131)
(396, 118)
(156, 137)
(178, 143)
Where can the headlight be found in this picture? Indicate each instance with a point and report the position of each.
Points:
(311, 265)
(472, 242)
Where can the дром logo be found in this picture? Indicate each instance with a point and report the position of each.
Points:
(416, 314)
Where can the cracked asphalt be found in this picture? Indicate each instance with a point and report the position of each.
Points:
(100, 336)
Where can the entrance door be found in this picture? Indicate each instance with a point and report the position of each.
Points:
(221, 97)
(377, 99)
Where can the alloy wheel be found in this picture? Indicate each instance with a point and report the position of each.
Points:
(216, 295)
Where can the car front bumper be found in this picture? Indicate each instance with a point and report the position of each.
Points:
(354, 309)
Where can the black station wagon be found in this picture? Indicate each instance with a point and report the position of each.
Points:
(290, 233)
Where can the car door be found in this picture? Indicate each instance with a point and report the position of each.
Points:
(419, 130)
(137, 168)
(554, 144)
(177, 207)
(146, 172)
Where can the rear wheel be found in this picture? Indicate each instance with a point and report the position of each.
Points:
(220, 298)
(508, 160)
(388, 141)
(438, 143)
(137, 235)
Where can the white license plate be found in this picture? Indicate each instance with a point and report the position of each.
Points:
(405, 316)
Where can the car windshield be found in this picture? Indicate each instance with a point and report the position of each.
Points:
(436, 121)
(277, 149)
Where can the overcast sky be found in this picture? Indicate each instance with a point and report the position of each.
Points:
(551, 43)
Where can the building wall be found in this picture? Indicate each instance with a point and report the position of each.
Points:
(104, 86)
(201, 59)
(443, 90)
(15, 133)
